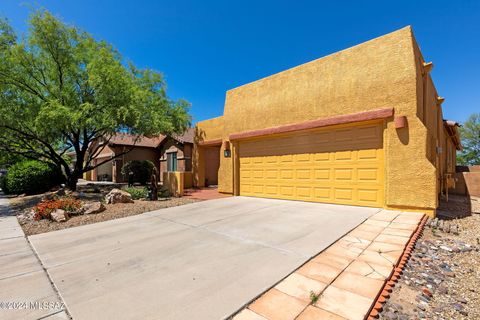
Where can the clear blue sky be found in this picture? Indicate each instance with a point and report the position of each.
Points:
(207, 47)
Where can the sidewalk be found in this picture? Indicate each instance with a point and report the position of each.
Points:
(26, 290)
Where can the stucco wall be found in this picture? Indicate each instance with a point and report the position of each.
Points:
(138, 153)
(384, 72)
(104, 154)
(210, 129)
(184, 156)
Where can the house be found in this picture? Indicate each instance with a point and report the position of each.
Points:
(167, 153)
(363, 126)
(175, 155)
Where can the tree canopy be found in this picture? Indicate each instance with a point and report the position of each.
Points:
(61, 90)
(470, 135)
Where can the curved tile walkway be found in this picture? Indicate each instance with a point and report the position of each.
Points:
(344, 281)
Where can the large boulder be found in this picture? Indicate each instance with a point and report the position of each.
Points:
(93, 207)
(118, 196)
(59, 215)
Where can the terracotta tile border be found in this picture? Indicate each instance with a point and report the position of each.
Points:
(375, 262)
(397, 272)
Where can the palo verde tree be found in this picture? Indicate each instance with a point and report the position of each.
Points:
(61, 90)
(470, 135)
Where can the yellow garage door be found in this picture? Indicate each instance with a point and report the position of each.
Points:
(342, 165)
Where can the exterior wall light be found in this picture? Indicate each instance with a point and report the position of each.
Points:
(226, 149)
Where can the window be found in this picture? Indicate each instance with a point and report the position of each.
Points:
(171, 161)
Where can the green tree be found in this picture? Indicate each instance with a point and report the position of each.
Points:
(61, 90)
(470, 135)
(8, 159)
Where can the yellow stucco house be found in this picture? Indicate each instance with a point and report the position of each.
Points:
(362, 126)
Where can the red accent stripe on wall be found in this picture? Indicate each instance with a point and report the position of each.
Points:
(317, 123)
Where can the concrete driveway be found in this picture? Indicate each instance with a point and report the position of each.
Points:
(199, 261)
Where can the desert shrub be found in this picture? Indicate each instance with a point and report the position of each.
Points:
(3, 182)
(141, 169)
(137, 193)
(31, 177)
(163, 192)
(46, 207)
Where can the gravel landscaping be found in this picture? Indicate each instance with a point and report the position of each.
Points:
(22, 207)
(442, 278)
(113, 211)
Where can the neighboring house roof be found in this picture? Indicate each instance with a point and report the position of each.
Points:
(452, 129)
(186, 137)
(124, 139)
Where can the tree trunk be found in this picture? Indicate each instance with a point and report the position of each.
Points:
(77, 171)
(72, 181)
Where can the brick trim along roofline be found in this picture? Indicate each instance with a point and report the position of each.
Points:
(317, 123)
(210, 143)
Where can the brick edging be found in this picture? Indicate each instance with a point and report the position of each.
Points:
(387, 288)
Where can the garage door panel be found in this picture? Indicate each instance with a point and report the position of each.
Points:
(271, 190)
(271, 173)
(322, 174)
(342, 166)
(368, 174)
(368, 195)
(344, 174)
(286, 174)
(323, 193)
(344, 155)
(343, 194)
(321, 157)
(303, 192)
(287, 191)
(299, 158)
(303, 174)
(368, 154)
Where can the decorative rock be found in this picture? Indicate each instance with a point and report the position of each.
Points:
(449, 274)
(462, 300)
(390, 316)
(93, 207)
(443, 290)
(427, 292)
(454, 229)
(438, 310)
(446, 248)
(458, 307)
(446, 228)
(118, 196)
(59, 215)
